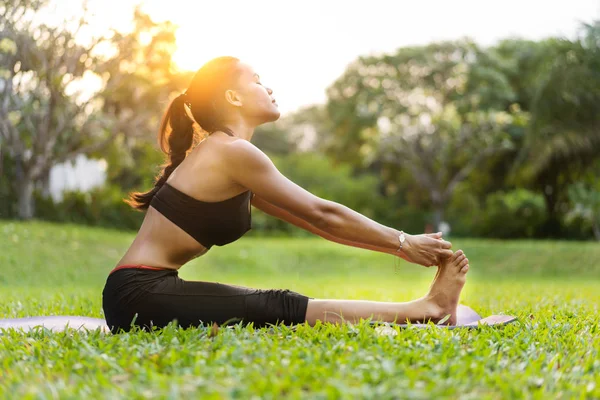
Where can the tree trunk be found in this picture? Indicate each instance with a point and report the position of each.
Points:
(438, 216)
(552, 226)
(596, 229)
(25, 196)
(24, 185)
(45, 183)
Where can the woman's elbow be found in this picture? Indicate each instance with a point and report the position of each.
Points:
(323, 214)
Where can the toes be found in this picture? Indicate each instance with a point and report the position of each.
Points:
(457, 254)
(464, 269)
(459, 260)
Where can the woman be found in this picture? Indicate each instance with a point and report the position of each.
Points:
(202, 198)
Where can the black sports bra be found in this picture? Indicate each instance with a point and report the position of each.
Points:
(210, 223)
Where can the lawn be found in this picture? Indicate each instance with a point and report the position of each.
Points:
(553, 351)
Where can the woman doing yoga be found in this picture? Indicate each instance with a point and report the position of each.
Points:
(202, 198)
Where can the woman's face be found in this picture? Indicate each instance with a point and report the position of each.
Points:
(254, 100)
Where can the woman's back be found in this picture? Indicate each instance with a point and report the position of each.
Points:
(182, 220)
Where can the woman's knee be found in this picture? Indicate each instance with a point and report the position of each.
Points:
(272, 306)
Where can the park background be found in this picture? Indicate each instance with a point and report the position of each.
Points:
(498, 140)
(478, 118)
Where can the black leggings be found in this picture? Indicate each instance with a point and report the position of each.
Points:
(146, 297)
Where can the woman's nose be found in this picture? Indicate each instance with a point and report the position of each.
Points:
(269, 90)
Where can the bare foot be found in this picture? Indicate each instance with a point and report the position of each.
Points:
(445, 290)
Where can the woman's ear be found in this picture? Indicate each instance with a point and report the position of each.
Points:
(233, 98)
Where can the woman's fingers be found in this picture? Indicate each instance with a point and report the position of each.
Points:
(442, 255)
(431, 252)
(446, 244)
(446, 253)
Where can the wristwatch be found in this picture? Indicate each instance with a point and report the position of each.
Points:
(402, 239)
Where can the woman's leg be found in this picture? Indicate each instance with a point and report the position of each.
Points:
(157, 297)
(441, 300)
(164, 297)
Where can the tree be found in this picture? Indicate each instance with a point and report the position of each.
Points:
(49, 114)
(140, 78)
(565, 123)
(438, 110)
(557, 81)
(442, 153)
(45, 118)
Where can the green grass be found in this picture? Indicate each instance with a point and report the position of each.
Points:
(552, 352)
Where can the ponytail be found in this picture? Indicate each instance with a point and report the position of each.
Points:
(201, 106)
(176, 137)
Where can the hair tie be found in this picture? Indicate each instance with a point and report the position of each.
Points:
(186, 98)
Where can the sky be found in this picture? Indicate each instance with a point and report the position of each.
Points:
(299, 48)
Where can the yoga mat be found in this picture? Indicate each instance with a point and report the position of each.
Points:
(56, 323)
(467, 318)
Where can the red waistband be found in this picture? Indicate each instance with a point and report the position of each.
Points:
(139, 266)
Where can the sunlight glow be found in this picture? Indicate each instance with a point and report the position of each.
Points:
(300, 48)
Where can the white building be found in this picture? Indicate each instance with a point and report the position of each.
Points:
(82, 175)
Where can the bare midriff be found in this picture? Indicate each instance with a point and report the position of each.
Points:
(161, 244)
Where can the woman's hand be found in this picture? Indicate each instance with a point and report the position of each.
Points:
(426, 249)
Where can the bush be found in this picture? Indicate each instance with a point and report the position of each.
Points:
(465, 212)
(518, 213)
(407, 218)
(585, 210)
(99, 207)
(514, 214)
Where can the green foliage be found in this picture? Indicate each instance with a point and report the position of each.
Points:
(392, 111)
(48, 114)
(566, 112)
(416, 133)
(557, 82)
(98, 207)
(438, 110)
(517, 213)
(133, 167)
(64, 97)
(408, 218)
(551, 352)
(586, 205)
(465, 212)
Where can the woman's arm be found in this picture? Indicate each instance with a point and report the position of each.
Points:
(248, 166)
(283, 215)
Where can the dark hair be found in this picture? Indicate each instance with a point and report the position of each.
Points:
(178, 133)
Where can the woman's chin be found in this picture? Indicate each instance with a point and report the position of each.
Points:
(275, 114)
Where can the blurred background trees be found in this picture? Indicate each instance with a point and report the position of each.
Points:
(45, 119)
(499, 141)
(61, 98)
(435, 111)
